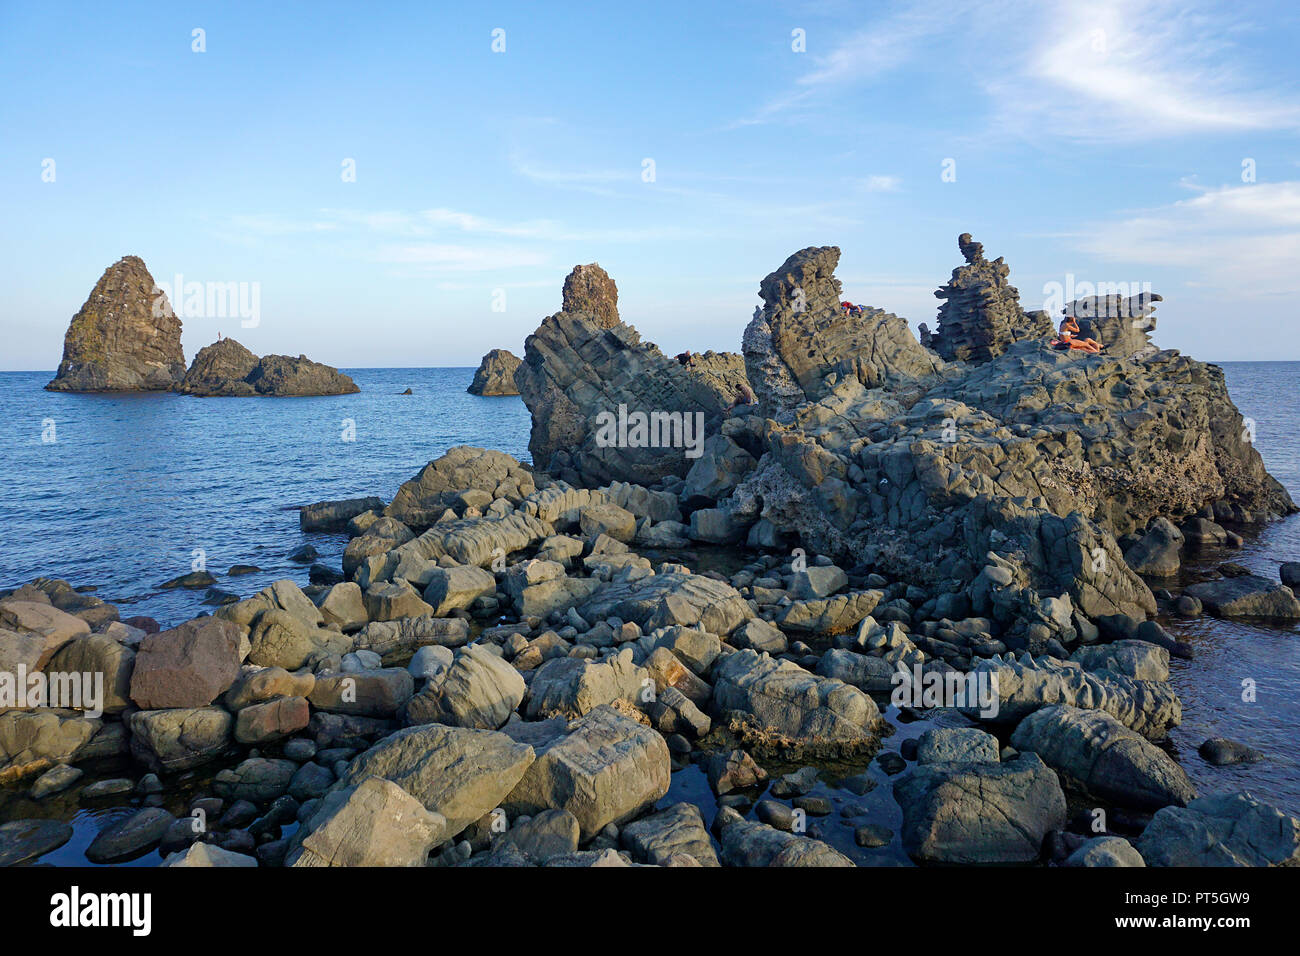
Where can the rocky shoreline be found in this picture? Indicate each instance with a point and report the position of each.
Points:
(517, 664)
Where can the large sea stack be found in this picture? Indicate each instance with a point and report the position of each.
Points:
(227, 369)
(126, 338)
(583, 363)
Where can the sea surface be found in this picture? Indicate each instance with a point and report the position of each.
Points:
(124, 492)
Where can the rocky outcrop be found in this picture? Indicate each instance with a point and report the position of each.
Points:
(605, 405)
(981, 314)
(227, 369)
(495, 375)
(125, 337)
(801, 344)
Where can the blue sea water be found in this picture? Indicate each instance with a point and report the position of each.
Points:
(123, 491)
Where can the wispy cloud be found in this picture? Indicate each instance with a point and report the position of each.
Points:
(1243, 238)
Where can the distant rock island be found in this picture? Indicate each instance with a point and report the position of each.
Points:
(227, 369)
(496, 374)
(125, 338)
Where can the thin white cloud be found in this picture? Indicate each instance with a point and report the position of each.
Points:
(1241, 238)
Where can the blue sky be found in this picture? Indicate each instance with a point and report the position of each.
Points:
(1100, 141)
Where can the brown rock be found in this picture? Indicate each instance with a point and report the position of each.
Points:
(125, 337)
(496, 374)
(187, 666)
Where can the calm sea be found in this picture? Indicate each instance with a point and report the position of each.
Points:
(125, 492)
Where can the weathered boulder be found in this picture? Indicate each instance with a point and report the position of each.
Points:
(256, 686)
(979, 812)
(257, 780)
(1225, 830)
(572, 687)
(169, 741)
(1159, 551)
(1106, 851)
(98, 654)
(495, 374)
(22, 841)
(279, 639)
(956, 744)
(1098, 754)
(1247, 595)
(129, 837)
(187, 666)
(452, 589)
(677, 829)
(32, 741)
(747, 843)
(673, 598)
(421, 501)
(375, 823)
(479, 690)
(373, 693)
(1024, 685)
(786, 700)
(335, 515)
(453, 771)
(271, 720)
(607, 769)
(125, 337)
(208, 855)
(31, 632)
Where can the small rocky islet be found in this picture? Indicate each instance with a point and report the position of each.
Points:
(127, 338)
(517, 664)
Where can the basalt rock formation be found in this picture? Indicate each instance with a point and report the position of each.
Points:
(495, 375)
(227, 369)
(981, 314)
(801, 344)
(125, 337)
(583, 362)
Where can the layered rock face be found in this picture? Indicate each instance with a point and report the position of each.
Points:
(586, 377)
(495, 375)
(981, 314)
(125, 337)
(802, 344)
(1028, 464)
(225, 368)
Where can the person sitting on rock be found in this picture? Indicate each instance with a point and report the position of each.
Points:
(1065, 339)
(744, 397)
(685, 359)
(850, 308)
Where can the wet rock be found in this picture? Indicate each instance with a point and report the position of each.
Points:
(24, 840)
(130, 837)
(734, 770)
(55, 780)
(1247, 596)
(1158, 553)
(335, 515)
(1224, 753)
